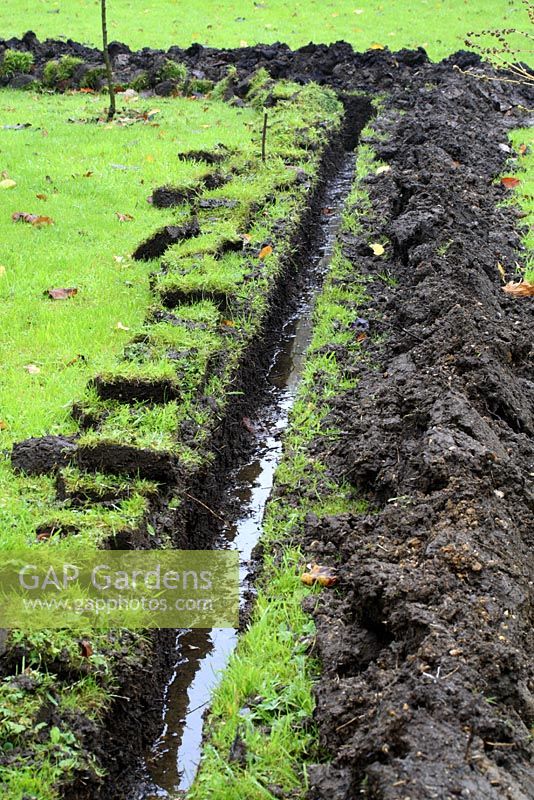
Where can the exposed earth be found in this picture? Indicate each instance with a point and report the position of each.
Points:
(426, 643)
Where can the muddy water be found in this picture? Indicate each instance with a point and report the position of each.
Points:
(171, 765)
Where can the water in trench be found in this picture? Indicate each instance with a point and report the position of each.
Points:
(171, 766)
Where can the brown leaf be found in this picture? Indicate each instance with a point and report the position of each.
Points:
(62, 294)
(88, 174)
(31, 219)
(121, 327)
(41, 196)
(522, 149)
(509, 182)
(123, 217)
(3, 425)
(86, 648)
(324, 576)
(519, 289)
(265, 251)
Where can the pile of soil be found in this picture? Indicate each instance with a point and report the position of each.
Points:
(426, 645)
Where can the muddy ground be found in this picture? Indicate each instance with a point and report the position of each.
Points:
(426, 643)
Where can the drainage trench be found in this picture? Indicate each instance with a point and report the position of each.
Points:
(170, 766)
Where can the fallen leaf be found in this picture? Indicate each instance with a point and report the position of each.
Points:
(378, 249)
(519, 289)
(361, 337)
(246, 237)
(88, 174)
(243, 43)
(382, 169)
(62, 294)
(150, 199)
(522, 149)
(33, 369)
(324, 576)
(501, 270)
(7, 183)
(119, 259)
(31, 219)
(86, 649)
(377, 46)
(150, 158)
(3, 425)
(510, 183)
(123, 217)
(41, 196)
(2, 270)
(228, 323)
(121, 327)
(265, 251)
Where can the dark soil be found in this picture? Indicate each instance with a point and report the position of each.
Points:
(426, 643)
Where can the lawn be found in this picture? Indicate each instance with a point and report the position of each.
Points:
(438, 25)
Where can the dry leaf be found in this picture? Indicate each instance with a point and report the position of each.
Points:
(522, 149)
(119, 259)
(86, 649)
(519, 289)
(33, 369)
(7, 183)
(123, 217)
(377, 46)
(121, 327)
(62, 294)
(382, 169)
(324, 576)
(501, 270)
(31, 219)
(510, 183)
(41, 196)
(265, 251)
(243, 43)
(150, 158)
(378, 249)
(228, 323)
(88, 174)
(2, 270)
(3, 425)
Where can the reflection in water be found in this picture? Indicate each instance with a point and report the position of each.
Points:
(172, 764)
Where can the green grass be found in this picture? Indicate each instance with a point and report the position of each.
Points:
(523, 195)
(438, 25)
(87, 173)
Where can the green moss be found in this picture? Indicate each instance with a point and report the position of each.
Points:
(15, 61)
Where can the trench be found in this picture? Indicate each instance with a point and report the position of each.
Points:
(169, 767)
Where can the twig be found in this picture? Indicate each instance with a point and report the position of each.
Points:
(196, 500)
(264, 136)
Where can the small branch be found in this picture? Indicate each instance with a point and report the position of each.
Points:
(264, 136)
(211, 511)
(107, 61)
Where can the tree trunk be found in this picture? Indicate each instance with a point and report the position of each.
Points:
(107, 60)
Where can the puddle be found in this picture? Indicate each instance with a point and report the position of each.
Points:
(171, 766)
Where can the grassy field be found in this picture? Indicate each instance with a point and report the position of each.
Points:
(438, 25)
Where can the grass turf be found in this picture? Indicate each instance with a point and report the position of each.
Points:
(438, 25)
(86, 324)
